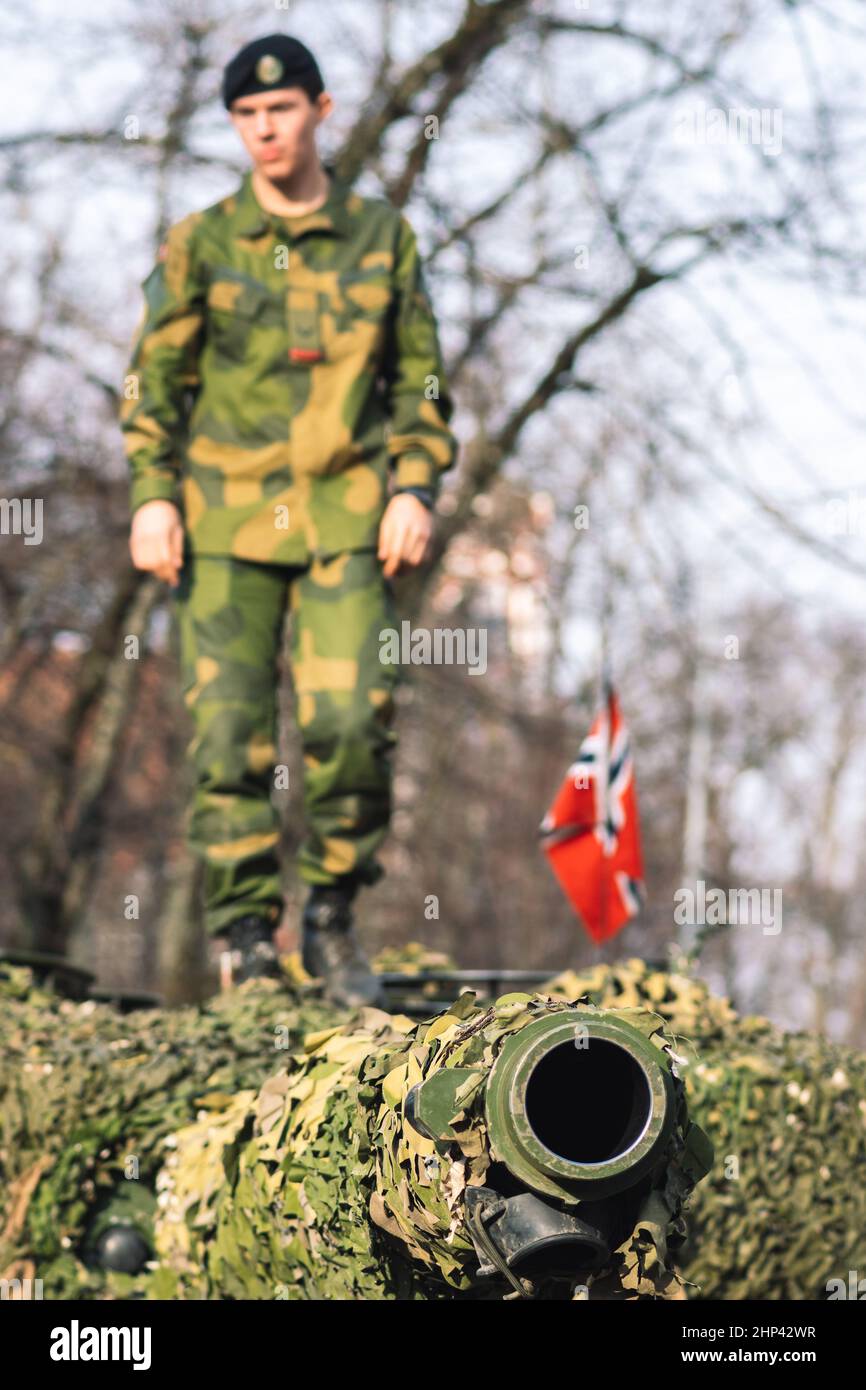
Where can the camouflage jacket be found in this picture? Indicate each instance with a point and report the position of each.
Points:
(281, 368)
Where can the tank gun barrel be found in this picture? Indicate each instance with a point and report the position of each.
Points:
(579, 1111)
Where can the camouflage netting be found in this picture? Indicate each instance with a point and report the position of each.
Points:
(87, 1095)
(784, 1209)
(317, 1188)
(414, 959)
(86, 1091)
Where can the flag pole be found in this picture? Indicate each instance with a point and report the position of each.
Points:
(692, 937)
(605, 684)
(587, 833)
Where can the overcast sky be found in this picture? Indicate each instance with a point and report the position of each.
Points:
(69, 66)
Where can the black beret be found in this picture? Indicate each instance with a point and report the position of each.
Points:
(266, 64)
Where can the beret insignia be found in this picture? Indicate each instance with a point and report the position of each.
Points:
(269, 68)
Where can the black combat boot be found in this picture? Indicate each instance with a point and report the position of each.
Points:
(253, 953)
(331, 950)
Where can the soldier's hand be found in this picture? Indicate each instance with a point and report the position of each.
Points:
(404, 534)
(156, 540)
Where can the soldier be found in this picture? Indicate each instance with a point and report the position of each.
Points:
(287, 368)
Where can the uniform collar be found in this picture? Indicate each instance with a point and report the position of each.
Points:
(251, 219)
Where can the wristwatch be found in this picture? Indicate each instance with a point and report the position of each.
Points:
(423, 494)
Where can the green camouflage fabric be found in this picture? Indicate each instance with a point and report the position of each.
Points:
(88, 1097)
(413, 958)
(317, 1187)
(282, 368)
(230, 618)
(86, 1091)
(782, 1214)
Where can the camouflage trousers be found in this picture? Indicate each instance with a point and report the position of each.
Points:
(230, 617)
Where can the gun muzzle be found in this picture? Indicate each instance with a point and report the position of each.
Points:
(579, 1107)
(579, 1110)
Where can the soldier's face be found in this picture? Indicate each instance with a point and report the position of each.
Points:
(278, 129)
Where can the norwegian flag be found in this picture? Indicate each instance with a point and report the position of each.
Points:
(591, 834)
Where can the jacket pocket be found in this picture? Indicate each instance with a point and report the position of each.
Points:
(236, 310)
(355, 323)
(367, 293)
